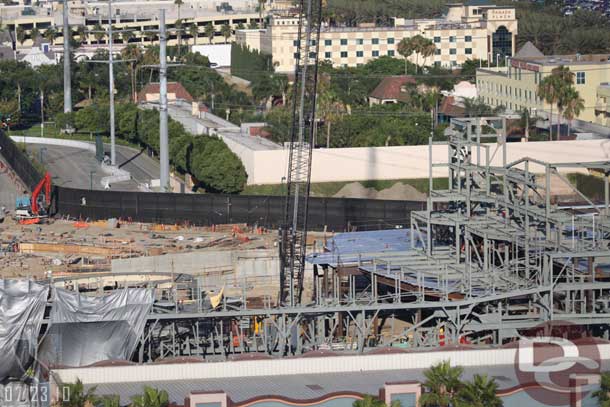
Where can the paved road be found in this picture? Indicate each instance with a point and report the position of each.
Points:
(72, 167)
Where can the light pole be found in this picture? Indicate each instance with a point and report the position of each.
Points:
(41, 113)
(111, 85)
(67, 79)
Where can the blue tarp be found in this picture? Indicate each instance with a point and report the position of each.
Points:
(350, 246)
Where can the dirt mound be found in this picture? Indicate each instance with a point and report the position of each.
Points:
(398, 191)
(403, 192)
(356, 190)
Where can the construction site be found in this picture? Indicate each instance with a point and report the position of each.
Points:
(506, 248)
(496, 253)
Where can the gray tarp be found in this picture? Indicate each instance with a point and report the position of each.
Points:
(22, 304)
(85, 329)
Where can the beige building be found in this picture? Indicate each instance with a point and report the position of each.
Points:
(515, 86)
(475, 30)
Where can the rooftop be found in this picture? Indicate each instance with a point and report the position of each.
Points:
(390, 87)
(174, 88)
(575, 59)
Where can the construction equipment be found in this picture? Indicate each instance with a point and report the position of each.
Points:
(31, 209)
(293, 233)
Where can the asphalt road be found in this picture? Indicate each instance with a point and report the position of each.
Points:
(73, 167)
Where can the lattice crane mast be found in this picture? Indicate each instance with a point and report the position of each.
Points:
(293, 233)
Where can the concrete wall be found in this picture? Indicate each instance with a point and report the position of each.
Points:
(54, 141)
(219, 54)
(379, 163)
(246, 263)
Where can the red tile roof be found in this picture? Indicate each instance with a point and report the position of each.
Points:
(172, 88)
(390, 86)
(449, 107)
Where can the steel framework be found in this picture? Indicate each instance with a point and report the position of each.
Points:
(494, 254)
(293, 234)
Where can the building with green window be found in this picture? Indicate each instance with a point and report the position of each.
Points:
(474, 30)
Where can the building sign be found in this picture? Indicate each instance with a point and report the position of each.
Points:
(524, 65)
(501, 14)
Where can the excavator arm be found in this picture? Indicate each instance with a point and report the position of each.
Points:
(45, 184)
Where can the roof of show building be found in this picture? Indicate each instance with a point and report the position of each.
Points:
(314, 378)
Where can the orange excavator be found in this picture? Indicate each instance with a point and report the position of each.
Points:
(31, 209)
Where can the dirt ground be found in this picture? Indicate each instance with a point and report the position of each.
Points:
(63, 246)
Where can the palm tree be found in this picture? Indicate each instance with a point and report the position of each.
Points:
(133, 53)
(573, 105)
(87, 80)
(368, 401)
(481, 392)
(81, 31)
(405, 48)
(442, 385)
(603, 394)
(178, 3)
(151, 398)
(151, 57)
(209, 32)
(50, 34)
(547, 91)
(421, 46)
(261, 7)
(21, 35)
(280, 85)
(76, 396)
(178, 25)
(34, 34)
(331, 109)
(427, 49)
(109, 401)
(225, 30)
(127, 36)
(253, 25)
(98, 32)
(194, 32)
(565, 80)
(115, 35)
(240, 26)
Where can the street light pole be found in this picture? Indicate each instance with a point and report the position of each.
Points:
(41, 113)
(111, 85)
(67, 80)
(163, 130)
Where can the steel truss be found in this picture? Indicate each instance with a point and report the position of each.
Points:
(493, 255)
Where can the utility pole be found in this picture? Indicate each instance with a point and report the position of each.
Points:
(110, 63)
(111, 85)
(163, 142)
(67, 79)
